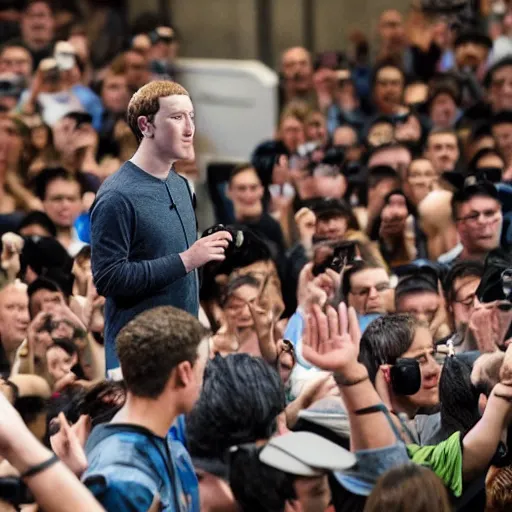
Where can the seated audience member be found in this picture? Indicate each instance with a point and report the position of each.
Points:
(240, 402)
(417, 293)
(477, 213)
(442, 149)
(246, 192)
(460, 285)
(397, 230)
(409, 487)
(61, 193)
(420, 180)
(367, 289)
(163, 353)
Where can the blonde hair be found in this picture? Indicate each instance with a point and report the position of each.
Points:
(145, 102)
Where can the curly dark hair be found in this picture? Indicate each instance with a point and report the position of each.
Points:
(153, 344)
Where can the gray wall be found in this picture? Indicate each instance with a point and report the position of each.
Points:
(228, 28)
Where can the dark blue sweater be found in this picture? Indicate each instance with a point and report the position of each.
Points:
(139, 225)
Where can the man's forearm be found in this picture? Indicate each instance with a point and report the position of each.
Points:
(481, 442)
(368, 430)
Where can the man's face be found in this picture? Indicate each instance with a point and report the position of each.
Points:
(503, 136)
(237, 309)
(397, 158)
(479, 224)
(443, 111)
(13, 143)
(45, 300)
(380, 133)
(114, 94)
(470, 55)
(316, 128)
(332, 229)
(137, 71)
(388, 89)
(14, 317)
(500, 90)
(329, 183)
(423, 305)
(345, 136)
(391, 29)
(174, 127)
(37, 25)
(443, 151)
(369, 291)
(62, 202)
(463, 300)
(59, 362)
(394, 215)
(421, 178)
(246, 192)
(422, 349)
(297, 69)
(313, 493)
(292, 133)
(17, 60)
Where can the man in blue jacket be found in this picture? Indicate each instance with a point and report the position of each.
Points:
(133, 461)
(145, 250)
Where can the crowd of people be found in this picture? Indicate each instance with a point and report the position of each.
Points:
(337, 340)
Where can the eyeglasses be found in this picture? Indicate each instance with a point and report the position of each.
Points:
(487, 215)
(364, 292)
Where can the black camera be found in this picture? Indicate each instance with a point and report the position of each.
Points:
(406, 376)
(237, 235)
(14, 491)
(333, 255)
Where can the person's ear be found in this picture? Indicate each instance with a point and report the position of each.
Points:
(184, 374)
(386, 372)
(146, 127)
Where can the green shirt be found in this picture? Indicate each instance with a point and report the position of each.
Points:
(444, 459)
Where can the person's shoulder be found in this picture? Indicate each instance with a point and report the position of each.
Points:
(117, 493)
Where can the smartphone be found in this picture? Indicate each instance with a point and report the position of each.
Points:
(333, 255)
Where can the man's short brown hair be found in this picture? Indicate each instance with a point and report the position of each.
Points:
(145, 102)
(153, 344)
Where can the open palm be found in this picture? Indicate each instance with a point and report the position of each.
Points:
(331, 340)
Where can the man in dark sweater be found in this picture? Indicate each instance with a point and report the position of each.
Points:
(143, 225)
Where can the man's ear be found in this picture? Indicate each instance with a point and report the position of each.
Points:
(386, 371)
(184, 374)
(146, 127)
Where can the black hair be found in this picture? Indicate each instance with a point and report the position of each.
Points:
(385, 340)
(386, 63)
(255, 485)
(459, 270)
(481, 153)
(379, 173)
(42, 283)
(356, 267)
(466, 193)
(37, 218)
(246, 166)
(65, 344)
(49, 174)
(240, 401)
(506, 61)
(458, 397)
(244, 280)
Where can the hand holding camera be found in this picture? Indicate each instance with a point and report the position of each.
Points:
(212, 247)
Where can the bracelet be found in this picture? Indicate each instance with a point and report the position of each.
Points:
(34, 470)
(342, 381)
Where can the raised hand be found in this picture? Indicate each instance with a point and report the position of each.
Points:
(12, 245)
(331, 341)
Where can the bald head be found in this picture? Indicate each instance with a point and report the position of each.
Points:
(297, 70)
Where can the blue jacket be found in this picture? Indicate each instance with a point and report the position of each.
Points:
(129, 465)
(139, 225)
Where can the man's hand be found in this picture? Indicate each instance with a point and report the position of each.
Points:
(12, 245)
(209, 248)
(331, 341)
(306, 224)
(68, 443)
(319, 289)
